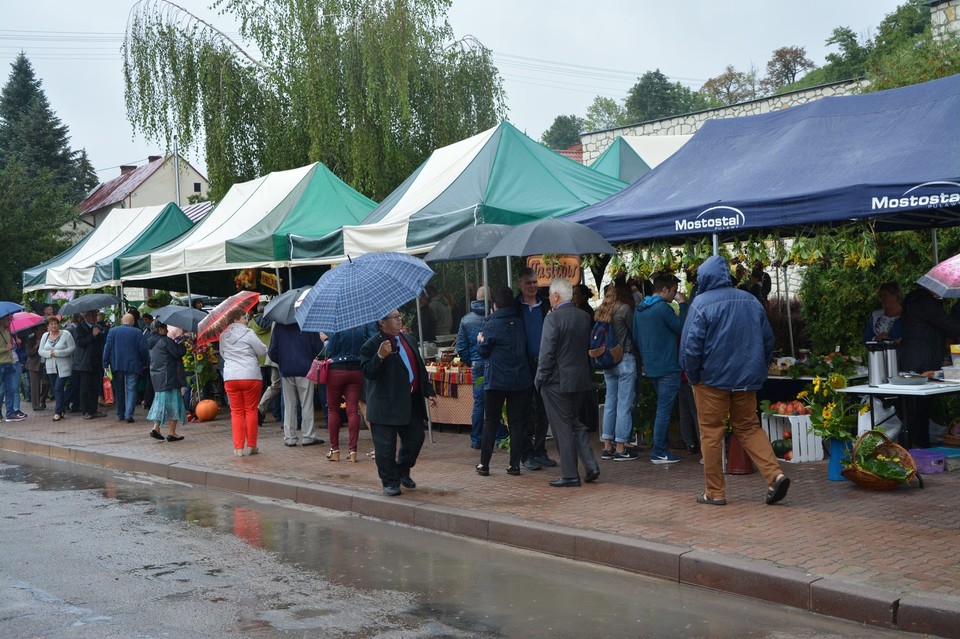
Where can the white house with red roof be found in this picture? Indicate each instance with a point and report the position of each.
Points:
(152, 184)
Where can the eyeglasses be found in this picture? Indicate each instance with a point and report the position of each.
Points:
(393, 316)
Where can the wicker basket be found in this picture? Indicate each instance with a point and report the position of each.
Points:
(867, 479)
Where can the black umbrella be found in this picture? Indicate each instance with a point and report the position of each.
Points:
(184, 317)
(551, 236)
(468, 244)
(91, 302)
(281, 308)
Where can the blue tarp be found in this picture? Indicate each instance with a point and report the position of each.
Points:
(892, 155)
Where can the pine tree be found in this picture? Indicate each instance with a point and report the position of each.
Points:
(29, 129)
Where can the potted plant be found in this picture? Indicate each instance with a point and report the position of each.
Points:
(200, 364)
(833, 415)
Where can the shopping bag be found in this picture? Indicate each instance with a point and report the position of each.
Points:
(107, 391)
(318, 371)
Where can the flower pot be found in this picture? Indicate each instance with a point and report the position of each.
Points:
(839, 456)
(738, 462)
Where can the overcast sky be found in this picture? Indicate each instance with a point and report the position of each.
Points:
(555, 55)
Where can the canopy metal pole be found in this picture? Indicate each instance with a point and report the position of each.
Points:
(276, 270)
(486, 297)
(936, 249)
(509, 272)
(716, 244)
(786, 285)
(466, 288)
(176, 169)
(426, 402)
(189, 300)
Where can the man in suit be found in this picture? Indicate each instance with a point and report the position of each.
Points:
(88, 364)
(396, 384)
(533, 310)
(563, 376)
(126, 354)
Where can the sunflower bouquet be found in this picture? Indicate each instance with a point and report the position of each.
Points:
(200, 364)
(832, 414)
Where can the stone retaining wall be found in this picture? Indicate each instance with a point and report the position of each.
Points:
(596, 142)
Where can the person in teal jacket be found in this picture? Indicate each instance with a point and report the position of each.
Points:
(656, 331)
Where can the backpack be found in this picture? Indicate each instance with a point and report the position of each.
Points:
(605, 350)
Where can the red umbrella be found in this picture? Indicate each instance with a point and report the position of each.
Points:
(24, 320)
(214, 323)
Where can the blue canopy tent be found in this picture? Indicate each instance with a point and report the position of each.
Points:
(892, 157)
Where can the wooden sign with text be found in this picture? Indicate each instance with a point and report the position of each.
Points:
(565, 266)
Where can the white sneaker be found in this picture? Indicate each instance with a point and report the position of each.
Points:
(254, 450)
(238, 452)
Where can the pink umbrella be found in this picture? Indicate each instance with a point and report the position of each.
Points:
(25, 320)
(944, 278)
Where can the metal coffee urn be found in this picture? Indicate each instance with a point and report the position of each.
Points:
(876, 364)
(890, 355)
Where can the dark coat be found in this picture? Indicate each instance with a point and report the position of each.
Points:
(926, 329)
(727, 342)
(387, 382)
(293, 350)
(126, 350)
(470, 325)
(504, 347)
(564, 362)
(88, 355)
(166, 364)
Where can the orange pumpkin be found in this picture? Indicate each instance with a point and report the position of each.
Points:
(207, 410)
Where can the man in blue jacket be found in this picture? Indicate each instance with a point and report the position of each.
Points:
(126, 354)
(294, 350)
(470, 327)
(656, 330)
(725, 349)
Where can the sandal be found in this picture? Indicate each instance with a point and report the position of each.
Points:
(333, 455)
(779, 489)
(57, 417)
(703, 499)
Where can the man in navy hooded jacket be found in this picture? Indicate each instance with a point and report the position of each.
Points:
(725, 349)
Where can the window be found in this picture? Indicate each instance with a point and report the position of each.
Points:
(196, 187)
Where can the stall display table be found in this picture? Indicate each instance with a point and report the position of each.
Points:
(898, 391)
(454, 386)
(807, 447)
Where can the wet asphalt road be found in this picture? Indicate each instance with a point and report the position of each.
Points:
(90, 553)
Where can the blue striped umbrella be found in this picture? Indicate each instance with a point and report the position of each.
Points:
(361, 291)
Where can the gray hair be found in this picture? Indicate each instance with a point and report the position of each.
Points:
(563, 288)
(481, 293)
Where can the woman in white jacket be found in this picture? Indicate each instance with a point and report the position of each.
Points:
(56, 348)
(239, 349)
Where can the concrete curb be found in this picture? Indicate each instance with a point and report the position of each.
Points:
(729, 574)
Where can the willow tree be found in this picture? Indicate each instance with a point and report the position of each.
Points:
(368, 87)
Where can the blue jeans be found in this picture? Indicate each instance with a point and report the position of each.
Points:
(10, 382)
(666, 388)
(621, 384)
(476, 418)
(58, 384)
(125, 393)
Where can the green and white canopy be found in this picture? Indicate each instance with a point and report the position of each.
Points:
(499, 176)
(92, 262)
(249, 228)
(630, 156)
(319, 204)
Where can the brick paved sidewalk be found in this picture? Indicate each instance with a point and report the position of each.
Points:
(905, 541)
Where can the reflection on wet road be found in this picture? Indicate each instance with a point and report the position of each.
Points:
(159, 558)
